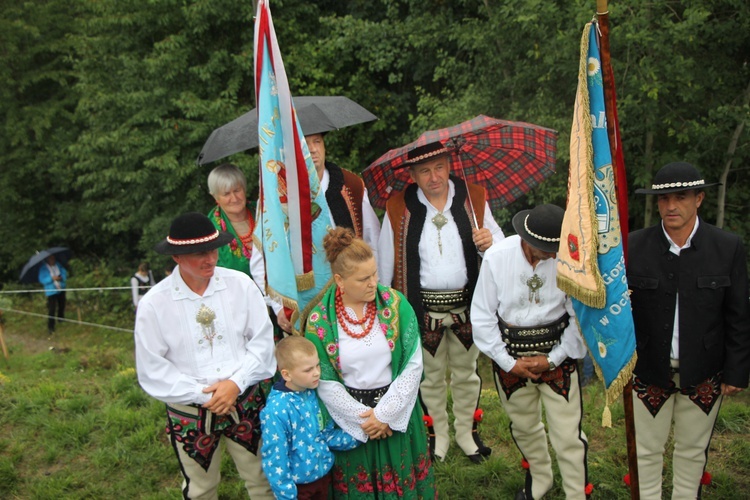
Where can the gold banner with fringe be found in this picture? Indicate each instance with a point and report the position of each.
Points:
(577, 270)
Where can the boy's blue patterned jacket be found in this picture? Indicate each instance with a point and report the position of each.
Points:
(296, 448)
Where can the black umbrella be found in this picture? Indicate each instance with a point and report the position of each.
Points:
(317, 114)
(30, 271)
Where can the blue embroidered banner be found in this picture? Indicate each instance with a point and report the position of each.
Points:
(591, 265)
(294, 215)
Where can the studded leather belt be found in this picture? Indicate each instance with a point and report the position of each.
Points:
(539, 340)
(444, 300)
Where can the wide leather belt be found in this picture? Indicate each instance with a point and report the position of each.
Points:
(444, 300)
(368, 397)
(521, 341)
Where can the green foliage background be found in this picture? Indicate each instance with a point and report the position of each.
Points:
(105, 104)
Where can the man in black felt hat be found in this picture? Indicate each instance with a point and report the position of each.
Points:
(692, 324)
(526, 325)
(204, 346)
(429, 249)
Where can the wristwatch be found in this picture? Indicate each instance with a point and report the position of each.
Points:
(552, 364)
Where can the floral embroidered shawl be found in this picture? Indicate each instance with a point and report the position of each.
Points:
(397, 320)
(233, 255)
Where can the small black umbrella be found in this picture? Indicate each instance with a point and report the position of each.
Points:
(30, 271)
(317, 114)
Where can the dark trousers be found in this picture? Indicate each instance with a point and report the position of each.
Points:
(55, 308)
(317, 490)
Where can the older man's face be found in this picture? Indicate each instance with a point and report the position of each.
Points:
(196, 267)
(679, 210)
(317, 146)
(432, 177)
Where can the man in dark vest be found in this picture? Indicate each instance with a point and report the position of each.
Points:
(429, 249)
(345, 193)
(692, 325)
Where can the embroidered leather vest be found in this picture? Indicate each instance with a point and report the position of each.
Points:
(407, 216)
(344, 196)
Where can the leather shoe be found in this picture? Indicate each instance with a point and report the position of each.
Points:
(483, 450)
(477, 458)
(521, 495)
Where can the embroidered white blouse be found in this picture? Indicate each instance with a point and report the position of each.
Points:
(366, 364)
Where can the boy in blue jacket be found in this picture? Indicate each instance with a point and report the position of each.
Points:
(296, 450)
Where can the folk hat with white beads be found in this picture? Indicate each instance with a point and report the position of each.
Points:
(192, 232)
(675, 177)
(425, 153)
(540, 227)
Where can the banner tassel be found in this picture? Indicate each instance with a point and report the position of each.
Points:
(606, 416)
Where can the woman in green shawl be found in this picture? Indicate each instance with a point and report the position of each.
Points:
(232, 214)
(371, 365)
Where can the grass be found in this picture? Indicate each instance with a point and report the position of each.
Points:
(77, 425)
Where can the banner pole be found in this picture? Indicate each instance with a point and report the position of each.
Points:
(602, 12)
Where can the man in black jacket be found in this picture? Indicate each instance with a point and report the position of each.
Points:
(692, 320)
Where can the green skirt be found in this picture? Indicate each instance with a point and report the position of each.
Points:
(396, 467)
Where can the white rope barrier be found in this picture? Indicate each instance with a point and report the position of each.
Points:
(67, 320)
(99, 288)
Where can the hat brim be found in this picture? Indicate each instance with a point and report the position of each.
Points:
(544, 246)
(164, 247)
(674, 189)
(418, 161)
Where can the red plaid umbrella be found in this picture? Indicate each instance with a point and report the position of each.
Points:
(507, 158)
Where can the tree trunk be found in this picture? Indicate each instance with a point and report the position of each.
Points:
(720, 202)
(648, 155)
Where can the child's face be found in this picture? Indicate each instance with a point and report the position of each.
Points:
(305, 374)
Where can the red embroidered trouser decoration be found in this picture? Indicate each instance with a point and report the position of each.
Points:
(704, 394)
(199, 430)
(434, 330)
(558, 379)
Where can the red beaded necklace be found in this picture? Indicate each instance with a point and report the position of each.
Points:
(343, 316)
(247, 239)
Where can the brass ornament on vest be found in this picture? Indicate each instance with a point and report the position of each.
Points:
(440, 221)
(534, 283)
